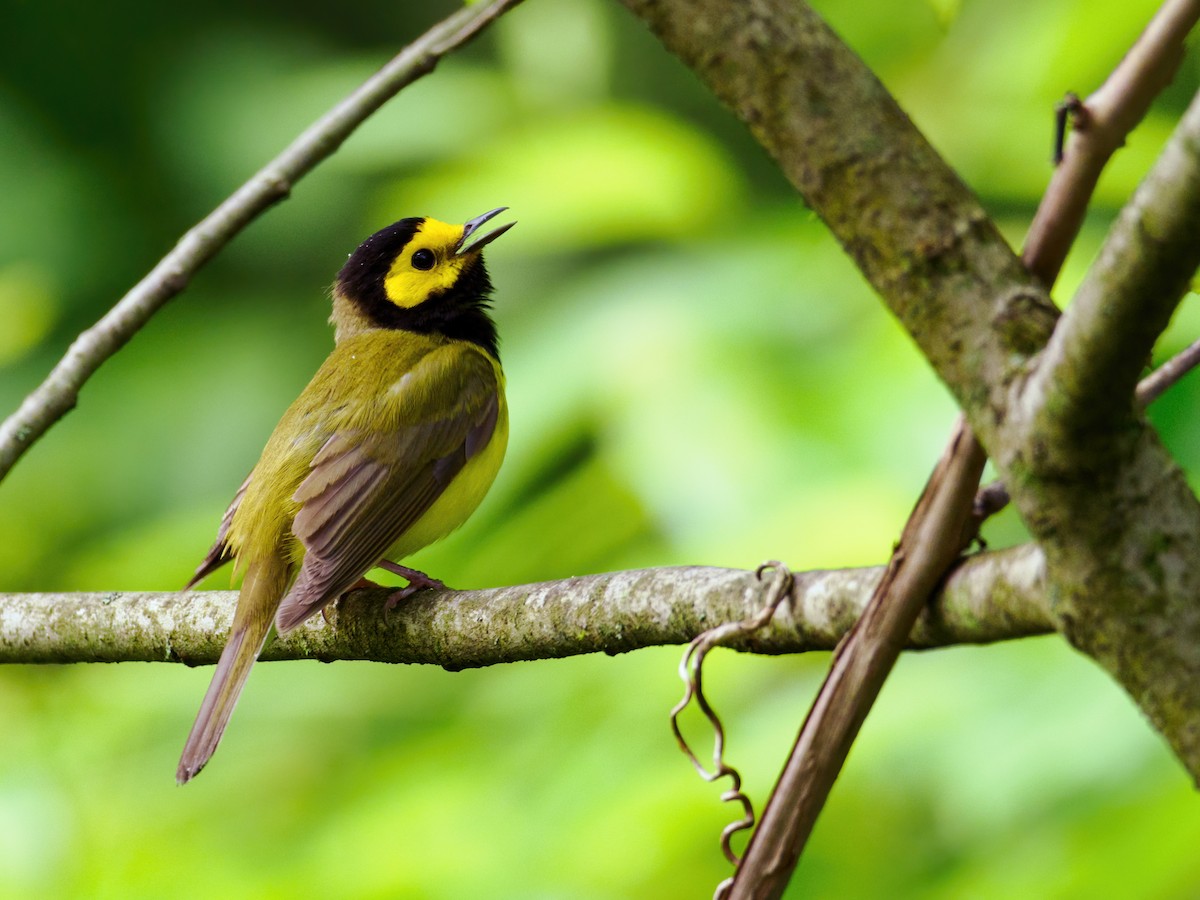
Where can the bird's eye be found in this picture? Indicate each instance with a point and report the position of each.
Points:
(423, 259)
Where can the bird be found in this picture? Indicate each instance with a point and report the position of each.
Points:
(390, 447)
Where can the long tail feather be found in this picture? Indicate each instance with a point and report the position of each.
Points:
(261, 592)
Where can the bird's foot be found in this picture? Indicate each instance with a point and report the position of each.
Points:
(417, 581)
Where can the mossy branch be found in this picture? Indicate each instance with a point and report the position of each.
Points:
(1084, 388)
(916, 232)
(1118, 523)
(991, 597)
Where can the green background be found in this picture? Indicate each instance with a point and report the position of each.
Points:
(696, 375)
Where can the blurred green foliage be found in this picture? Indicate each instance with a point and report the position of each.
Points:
(696, 375)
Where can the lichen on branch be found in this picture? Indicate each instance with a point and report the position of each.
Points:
(991, 597)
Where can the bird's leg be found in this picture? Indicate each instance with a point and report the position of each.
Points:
(417, 581)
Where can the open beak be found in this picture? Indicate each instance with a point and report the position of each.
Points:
(473, 225)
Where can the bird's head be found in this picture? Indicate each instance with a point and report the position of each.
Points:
(419, 275)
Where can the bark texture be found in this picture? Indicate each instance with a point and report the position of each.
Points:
(1114, 515)
(993, 596)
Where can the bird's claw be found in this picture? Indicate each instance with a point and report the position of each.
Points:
(417, 581)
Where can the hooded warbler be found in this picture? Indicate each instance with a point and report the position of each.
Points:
(391, 446)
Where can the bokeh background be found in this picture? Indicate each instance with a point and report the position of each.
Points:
(696, 375)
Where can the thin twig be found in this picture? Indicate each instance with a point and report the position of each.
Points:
(1157, 382)
(1084, 383)
(1102, 124)
(58, 394)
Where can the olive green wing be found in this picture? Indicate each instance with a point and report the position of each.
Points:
(365, 489)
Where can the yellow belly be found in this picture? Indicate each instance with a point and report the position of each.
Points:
(461, 497)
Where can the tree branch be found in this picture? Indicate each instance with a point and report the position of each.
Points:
(1168, 374)
(839, 137)
(994, 497)
(1101, 125)
(932, 535)
(1085, 383)
(57, 395)
(933, 538)
(913, 228)
(868, 654)
(1116, 517)
(990, 597)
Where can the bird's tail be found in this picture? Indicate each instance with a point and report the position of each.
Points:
(262, 589)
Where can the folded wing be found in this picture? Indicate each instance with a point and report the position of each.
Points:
(365, 490)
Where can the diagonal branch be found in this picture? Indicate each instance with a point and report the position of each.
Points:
(932, 540)
(912, 227)
(992, 597)
(57, 395)
(1102, 123)
(1111, 508)
(1085, 383)
(1168, 374)
(842, 170)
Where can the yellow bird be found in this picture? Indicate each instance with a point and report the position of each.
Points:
(392, 446)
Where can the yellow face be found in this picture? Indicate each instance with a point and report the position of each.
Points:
(426, 265)
(420, 275)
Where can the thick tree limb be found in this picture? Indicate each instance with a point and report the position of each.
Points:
(1115, 515)
(1104, 121)
(1128, 586)
(994, 497)
(57, 395)
(914, 229)
(867, 656)
(990, 597)
(855, 139)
